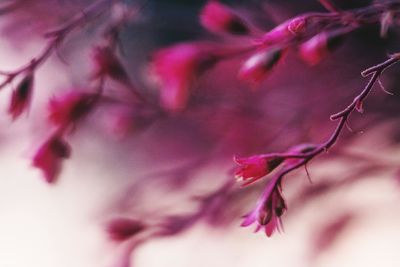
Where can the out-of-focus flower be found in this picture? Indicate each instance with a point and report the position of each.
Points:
(285, 32)
(21, 96)
(70, 107)
(176, 68)
(107, 64)
(121, 229)
(255, 167)
(268, 211)
(259, 65)
(49, 157)
(219, 18)
(318, 47)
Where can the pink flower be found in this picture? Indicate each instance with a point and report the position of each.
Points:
(70, 107)
(49, 157)
(107, 64)
(176, 68)
(253, 168)
(259, 65)
(268, 211)
(318, 47)
(219, 18)
(21, 96)
(285, 31)
(121, 229)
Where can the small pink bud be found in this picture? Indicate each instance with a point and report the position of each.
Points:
(219, 18)
(359, 106)
(318, 47)
(49, 157)
(121, 229)
(259, 65)
(285, 31)
(21, 96)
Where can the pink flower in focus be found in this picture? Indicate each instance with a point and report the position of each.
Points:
(268, 211)
(70, 107)
(21, 96)
(121, 229)
(318, 47)
(259, 65)
(253, 168)
(219, 18)
(49, 157)
(176, 68)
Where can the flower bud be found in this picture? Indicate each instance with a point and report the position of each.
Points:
(21, 96)
(121, 229)
(219, 18)
(319, 46)
(259, 65)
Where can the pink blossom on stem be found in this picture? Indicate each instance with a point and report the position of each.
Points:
(253, 168)
(268, 211)
(21, 96)
(66, 109)
(49, 157)
(176, 68)
(260, 65)
(318, 47)
(219, 18)
(285, 31)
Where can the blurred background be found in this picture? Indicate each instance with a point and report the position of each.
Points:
(176, 172)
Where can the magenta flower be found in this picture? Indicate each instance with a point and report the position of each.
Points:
(176, 68)
(219, 18)
(49, 157)
(260, 65)
(21, 96)
(318, 47)
(70, 107)
(253, 168)
(121, 229)
(268, 211)
(285, 31)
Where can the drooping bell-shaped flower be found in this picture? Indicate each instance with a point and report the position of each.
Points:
(50, 155)
(268, 211)
(253, 168)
